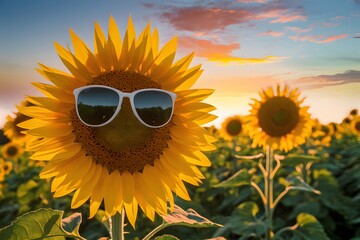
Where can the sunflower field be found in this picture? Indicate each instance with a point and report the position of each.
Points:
(116, 148)
(326, 168)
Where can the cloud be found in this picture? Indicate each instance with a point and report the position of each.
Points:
(271, 33)
(214, 17)
(318, 39)
(218, 52)
(148, 5)
(252, 1)
(204, 19)
(297, 29)
(283, 16)
(349, 76)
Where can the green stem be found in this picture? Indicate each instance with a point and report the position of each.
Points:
(117, 226)
(154, 231)
(234, 152)
(291, 228)
(269, 190)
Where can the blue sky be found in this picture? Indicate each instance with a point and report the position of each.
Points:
(244, 46)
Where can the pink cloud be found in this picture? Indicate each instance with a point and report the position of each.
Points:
(252, 1)
(218, 52)
(207, 48)
(298, 30)
(271, 33)
(289, 18)
(281, 15)
(318, 39)
(338, 17)
(333, 38)
(206, 19)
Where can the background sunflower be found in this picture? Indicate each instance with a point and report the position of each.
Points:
(278, 120)
(355, 125)
(11, 130)
(124, 163)
(12, 150)
(232, 127)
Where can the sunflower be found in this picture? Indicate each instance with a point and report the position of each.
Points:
(355, 125)
(12, 150)
(277, 119)
(11, 130)
(322, 134)
(354, 113)
(232, 127)
(5, 166)
(124, 163)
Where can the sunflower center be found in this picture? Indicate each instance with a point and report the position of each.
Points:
(278, 116)
(124, 144)
(234, 127)
(6, 167)
(12, 151)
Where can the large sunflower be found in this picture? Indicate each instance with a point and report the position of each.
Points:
(124, 163)
(277, 119)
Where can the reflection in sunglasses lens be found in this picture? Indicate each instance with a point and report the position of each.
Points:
(97, 105)
(153, 107)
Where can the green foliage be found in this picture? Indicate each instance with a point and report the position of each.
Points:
(309, 228)
(322, 202)
(41, 224)
(167, 237)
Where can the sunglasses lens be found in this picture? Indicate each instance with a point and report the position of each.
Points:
(97, 105)
(153, 107)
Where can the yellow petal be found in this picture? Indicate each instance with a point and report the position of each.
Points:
(131, 210)
(98, 195)
(55, 92)
(83, 53)
(113, 198)
(128, 187)
(83, 193)
(114, 43)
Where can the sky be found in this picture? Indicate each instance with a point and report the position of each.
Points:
(244, 46)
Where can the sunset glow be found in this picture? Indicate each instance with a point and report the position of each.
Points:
(243, 46)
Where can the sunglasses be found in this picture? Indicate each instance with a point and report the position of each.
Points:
(98, 105)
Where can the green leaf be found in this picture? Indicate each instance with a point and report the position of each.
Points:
(240, 178)
(297, 183)
(244, 222)
(26, 193)
(292, 160)
(189, 218)
(40, 224)
(309, 228)
(166, 237)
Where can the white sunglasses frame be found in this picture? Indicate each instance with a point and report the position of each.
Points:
(121, 94)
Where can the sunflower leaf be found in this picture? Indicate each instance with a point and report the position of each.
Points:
(309, 228)
(244, 220)
(240, 178)
(189, 218)
(166, 237)
(41, 224)
(297, 183)
(292, 160)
